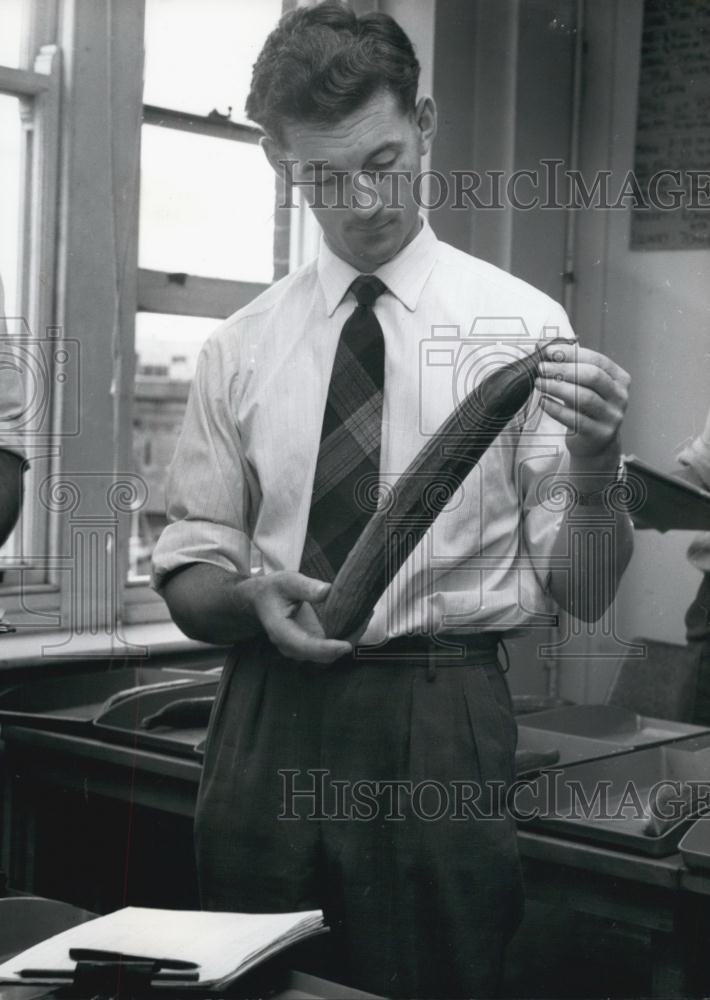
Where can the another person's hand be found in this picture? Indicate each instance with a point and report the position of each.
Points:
(588, 394)
(283, 602)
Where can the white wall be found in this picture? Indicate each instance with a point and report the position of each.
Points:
(649, 311)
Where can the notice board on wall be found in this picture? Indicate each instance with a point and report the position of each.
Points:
(671, 203)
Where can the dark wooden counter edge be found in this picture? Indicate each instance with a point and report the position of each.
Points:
(295, 986)
(109, 753)
(580, 854)
(668, 873)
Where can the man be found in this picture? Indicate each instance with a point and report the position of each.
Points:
(324, 787)
(12, 463)
(695, 462)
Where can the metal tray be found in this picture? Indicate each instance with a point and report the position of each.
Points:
(523, 704)
(694, 845)
(620, 791)
(70, 702)
(569, 749)
(611, 723)
(121, 722)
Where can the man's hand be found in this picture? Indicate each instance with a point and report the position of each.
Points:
(283, 602)
(588, 394)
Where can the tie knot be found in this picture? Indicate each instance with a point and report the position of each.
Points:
(367, 288)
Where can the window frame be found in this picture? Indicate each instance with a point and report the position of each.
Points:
(38, 93)
(183, 294)
(84, 114)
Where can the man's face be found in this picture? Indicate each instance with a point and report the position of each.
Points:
(359, 176)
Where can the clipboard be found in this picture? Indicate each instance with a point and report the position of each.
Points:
(663, 502)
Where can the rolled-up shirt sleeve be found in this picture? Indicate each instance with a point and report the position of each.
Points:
(207, 491)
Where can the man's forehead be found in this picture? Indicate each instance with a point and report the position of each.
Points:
(349, 142)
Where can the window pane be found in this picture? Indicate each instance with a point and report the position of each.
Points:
(10, 145)
(207, 206)
(10, 192)
(199, 55)
(166, 353)
(11, 29)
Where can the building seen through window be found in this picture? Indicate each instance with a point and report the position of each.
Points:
(207, 217)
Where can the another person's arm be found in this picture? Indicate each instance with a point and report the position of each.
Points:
(694, 460)
(11, 462)
(10, 492)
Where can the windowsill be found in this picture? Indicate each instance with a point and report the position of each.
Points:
(137, 641)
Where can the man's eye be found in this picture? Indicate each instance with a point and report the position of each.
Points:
(381, 168)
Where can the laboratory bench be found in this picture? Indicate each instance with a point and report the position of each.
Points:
(99, 825)
(102, 822)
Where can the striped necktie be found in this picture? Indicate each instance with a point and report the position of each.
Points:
(350, 439)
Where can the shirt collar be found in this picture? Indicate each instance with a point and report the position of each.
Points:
(404, 275)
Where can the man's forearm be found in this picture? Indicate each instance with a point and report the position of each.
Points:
(217, 606)
(211, 604)
(592, 548)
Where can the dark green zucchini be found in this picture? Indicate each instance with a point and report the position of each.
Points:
(422, 492)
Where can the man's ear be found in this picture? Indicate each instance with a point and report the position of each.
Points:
(274, 154)
(426, 119)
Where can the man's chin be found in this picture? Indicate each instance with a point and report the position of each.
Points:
(377, 252)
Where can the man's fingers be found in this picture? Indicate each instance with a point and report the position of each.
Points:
(590, 376)
(580, 425)
(297, 587)
(283, 605)
(575, 355)
(582, 404)
(577, 397)
(297, 644)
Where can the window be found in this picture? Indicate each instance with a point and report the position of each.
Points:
(35, 350)
(10, 194)
(13, 32)
(167, 347)
(207, 226)
(121, 248)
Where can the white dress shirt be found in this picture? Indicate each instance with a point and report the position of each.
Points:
(239, 486)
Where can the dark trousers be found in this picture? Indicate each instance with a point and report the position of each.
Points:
(373, 791)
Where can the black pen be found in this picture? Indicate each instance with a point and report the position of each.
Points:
(187, 976)
(97, 955)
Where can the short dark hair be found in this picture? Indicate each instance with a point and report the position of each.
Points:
(323, 62)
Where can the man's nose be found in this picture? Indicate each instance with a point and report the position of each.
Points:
(366, 197)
